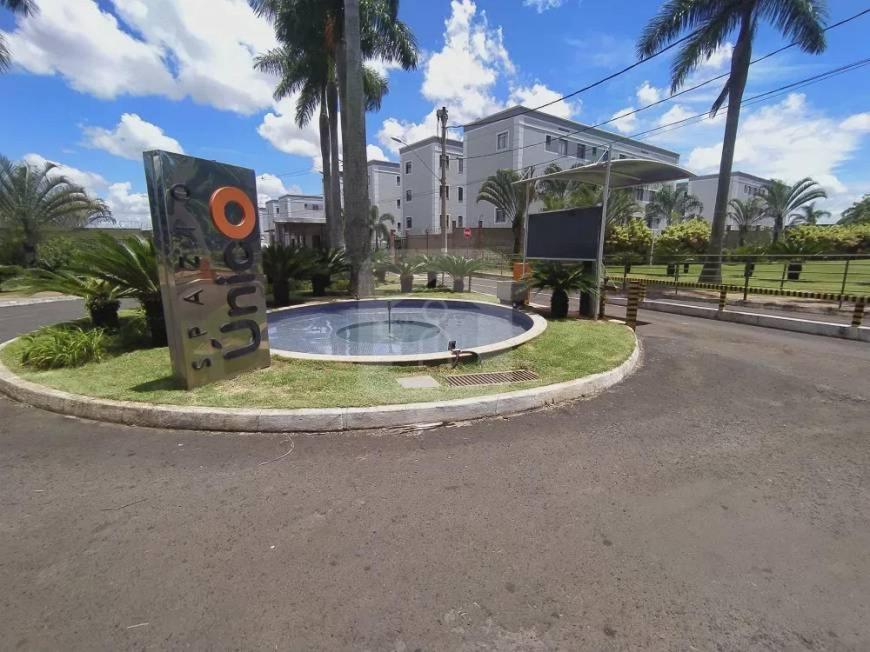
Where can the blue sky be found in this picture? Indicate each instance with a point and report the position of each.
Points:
(94, 83)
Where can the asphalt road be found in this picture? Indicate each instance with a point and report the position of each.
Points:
(717, 499)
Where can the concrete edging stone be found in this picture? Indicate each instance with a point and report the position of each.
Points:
(308, 419)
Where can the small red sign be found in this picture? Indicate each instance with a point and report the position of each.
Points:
(467, 233)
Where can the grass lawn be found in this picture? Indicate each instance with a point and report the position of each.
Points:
(817, 276)
(566, 350)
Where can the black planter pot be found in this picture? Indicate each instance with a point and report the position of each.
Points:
(381, 276)
(685, 268)
(794, 271)
(672, 269)
(749, 270)
(406, 283)
(319, 283)
(105, 315)
(432, 280)
(281, 293)
(559, 304)
(627, 268)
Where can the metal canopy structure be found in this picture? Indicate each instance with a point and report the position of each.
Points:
(610, 174)
(624, 173)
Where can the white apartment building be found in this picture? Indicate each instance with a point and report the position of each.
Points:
(385, 188)
(517, 138)
(421, 183)
(297, 219)
(743, 187)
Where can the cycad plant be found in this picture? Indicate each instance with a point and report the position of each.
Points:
(329, 263)
(380, 265)
(710, 25)
(746, 213)
(102, 299)
(406, 268)
(130, 265)
(560, 279)
(35, 199)
(284, 263)
(459, 267)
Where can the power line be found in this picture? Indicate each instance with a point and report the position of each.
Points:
(767, 95)
(648, 106)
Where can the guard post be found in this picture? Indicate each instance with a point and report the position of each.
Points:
(634, 288)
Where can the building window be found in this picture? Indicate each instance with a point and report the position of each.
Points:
(446, 160)
(447, 191)
(459, 219)
(501, 141)
(407, 222)
(595, 153)
(638, 194)
(398, 180)
(407, 167)
(499, 216)
(407, 195)
(461, 165)
(398, 203)
(454, 225)
(581, 150)
(557, 145)
(622, 156)
(277, 209)
(460, 193)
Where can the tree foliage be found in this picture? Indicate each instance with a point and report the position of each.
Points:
(857, 213)
(689, 237)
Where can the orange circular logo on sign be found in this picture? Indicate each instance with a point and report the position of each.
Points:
(223, 196)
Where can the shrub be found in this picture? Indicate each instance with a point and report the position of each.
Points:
(691, 236)
(838, 238)
(284, 264)
(628, 241)
(328, 263)
(56, 254)
(8, 272)
(57, 347)
(101, 298)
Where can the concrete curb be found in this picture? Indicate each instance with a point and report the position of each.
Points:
(308, 419)
(12, 303)
(793, 324)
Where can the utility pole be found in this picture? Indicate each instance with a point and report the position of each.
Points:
(441, 114)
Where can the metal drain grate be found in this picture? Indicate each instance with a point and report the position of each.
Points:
(491, 378)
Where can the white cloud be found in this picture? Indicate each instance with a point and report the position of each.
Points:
(130, 137)
(627, 124)
(676, 113)
(203, 49)
(537, 94)
(790, 140)
(375, 153)
(271, 187)
(720, 58)
(543, 5)
(647, 93)
(463, 76)
(128, 208)
(280, 129)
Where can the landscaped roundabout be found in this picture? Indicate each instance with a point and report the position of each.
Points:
(131, 383)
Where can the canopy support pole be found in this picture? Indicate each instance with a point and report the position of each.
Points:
(600, 269)
(528, 185)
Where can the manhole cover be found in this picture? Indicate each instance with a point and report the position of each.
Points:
(491, 378)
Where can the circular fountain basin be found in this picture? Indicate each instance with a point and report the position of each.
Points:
(398, 330)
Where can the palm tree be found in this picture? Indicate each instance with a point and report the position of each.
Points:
(561, 279)
(621, 207)
(746, 213)
(783, 199)
(809, 214)
(23, 7)
(711, 23)
(131, 266)
(311, 32)
(673, 205)
(102, 299)
(378, 225)
(281, 263)
(502, 191)
(33, 200)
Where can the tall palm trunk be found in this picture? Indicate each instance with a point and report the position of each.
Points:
(777, 227)
(712, 270)
(337, 229)
(356, 192)
(332, 215)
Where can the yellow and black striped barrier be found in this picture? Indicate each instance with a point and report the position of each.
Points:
(859, 300)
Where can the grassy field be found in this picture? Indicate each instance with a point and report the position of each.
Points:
(566, 350)
(817, 276)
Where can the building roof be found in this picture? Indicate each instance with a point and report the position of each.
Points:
(432, 139)
(563, 122)
(387, 164)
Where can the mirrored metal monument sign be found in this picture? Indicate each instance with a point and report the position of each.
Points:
(207, 233)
